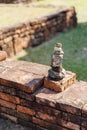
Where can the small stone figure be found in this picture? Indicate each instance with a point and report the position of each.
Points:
(57, 72)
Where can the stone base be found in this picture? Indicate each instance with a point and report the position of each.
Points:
(60, 85)
(56, 75)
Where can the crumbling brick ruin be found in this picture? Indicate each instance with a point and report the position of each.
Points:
(32, 33)
(25, 100)
(16, 1)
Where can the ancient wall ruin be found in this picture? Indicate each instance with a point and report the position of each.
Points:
(25, 100)
(36, 31)
(16, 1)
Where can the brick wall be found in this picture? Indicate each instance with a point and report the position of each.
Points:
(25, 100)
(32, 33)
(16, 1)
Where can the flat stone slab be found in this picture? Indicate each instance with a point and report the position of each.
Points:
(26, 76)
(60, 85)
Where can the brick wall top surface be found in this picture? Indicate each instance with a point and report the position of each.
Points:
(23, 75)
(71, 100)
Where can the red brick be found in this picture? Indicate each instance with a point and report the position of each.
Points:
(47, 125)
(46, 117)
(8, 90)
(3, 55)
(46, 97)
(18, 45)
(27, 123)
(15, 113)
(74, 119)
(68, 124)
(84, 111)
(61, 85)
(8, 47)
(24, 95)
(40, 128)
(46, 34)
(47, 110)
(26, 42)
(84, 122)
(20, 82)
(7, 104)
(28, 80)
(68, 108)
(7, 39)
(34, 68)
(64, 116)
(12, 118)
(25, 110)
(83, 128)
(9, 98)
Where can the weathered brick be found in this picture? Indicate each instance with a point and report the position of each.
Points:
(31, 31)
(68, 124)
(17, 45)
(27, 103)
(47, 110)
(46, 34)
(25, 110)
(8, 90)
(84, 122)
(64, 116)
(27, 82)
(17, 31)
(73, 104)
(26, 42)
(12, 118)
(46, 97)
(47, 125)
(15, 113)
(24, 116)
(7, 104)
(9, 98)
(3, 55)
(8, 47)
(40, 128)
(46, 117)
(84, 111)
(61, 85)
(68, 108)
(34, 68)
(6, 40)
(24, 95)
(8, 111)
(38, 107)
(83, 128)
(27, 123)
(9, 64)
(74, 119)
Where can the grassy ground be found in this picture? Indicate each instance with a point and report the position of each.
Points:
(74, 43)
(11, 15)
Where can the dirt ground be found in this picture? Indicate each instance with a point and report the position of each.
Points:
(8, 125)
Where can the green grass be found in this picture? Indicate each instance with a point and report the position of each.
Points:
(75, 57)
(74, 44)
